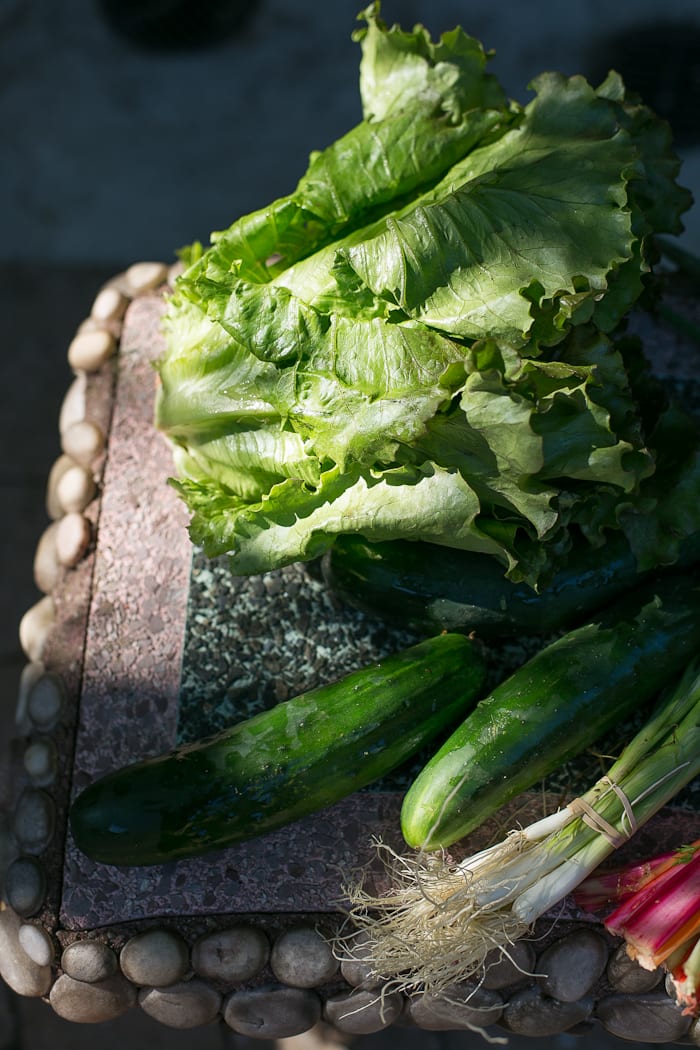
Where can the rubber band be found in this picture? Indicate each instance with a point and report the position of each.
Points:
(580, 808)
(626, 805)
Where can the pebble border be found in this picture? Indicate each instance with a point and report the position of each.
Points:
(262, 980)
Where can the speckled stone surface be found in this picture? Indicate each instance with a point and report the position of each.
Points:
(131, 672)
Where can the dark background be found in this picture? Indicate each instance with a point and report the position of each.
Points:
(129, 128)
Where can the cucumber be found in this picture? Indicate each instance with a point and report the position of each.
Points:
(281, 764)
(552, 708)
(429, 588)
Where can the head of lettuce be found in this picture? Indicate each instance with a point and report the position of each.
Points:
(423, 341)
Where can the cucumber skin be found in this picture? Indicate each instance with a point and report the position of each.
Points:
(430, 588)
(552, 708)
(281, 764)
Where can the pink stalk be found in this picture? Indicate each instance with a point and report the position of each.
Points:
(621, 883)
(660, 917)
(619, 919)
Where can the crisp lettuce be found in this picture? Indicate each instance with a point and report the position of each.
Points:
(421, 340)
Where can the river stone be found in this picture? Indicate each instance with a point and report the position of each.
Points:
(359, 974)
(529, 1012)
(47, 569)
(25, 886)
(34, 820)
(73, 536)
(155, 958)
(627, 976)
(272, 1012)
(363, 1011)
(143, 276)
(22, 974)
(45, 701)
(572, 965)
(36, 942)
(40, 760)
(302, 958)
(187, 1004)
(59, 468)
(462, 1005)
(75, 490)
(505, 967)
(74, 404)
(31, 673)
(233, 955)
(83, 442)
(35, 627)
(357, 967)
(649, 1018)
(90, 1003)
(109, 305)
(89, 961)
(90, 350)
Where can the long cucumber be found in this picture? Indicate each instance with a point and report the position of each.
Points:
(552, 708)
(431, 588)
(283, 763)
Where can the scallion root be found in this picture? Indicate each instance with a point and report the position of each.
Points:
(430, 929)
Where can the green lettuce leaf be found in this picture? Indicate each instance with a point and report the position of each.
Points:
(294, 522)
(420, 340)
(514, 226)
(425, 106)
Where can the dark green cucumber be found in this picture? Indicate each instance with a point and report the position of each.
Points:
(281, 764)
(430, 588)
(554, 707)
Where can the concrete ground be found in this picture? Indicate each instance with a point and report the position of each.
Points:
(114, 152)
